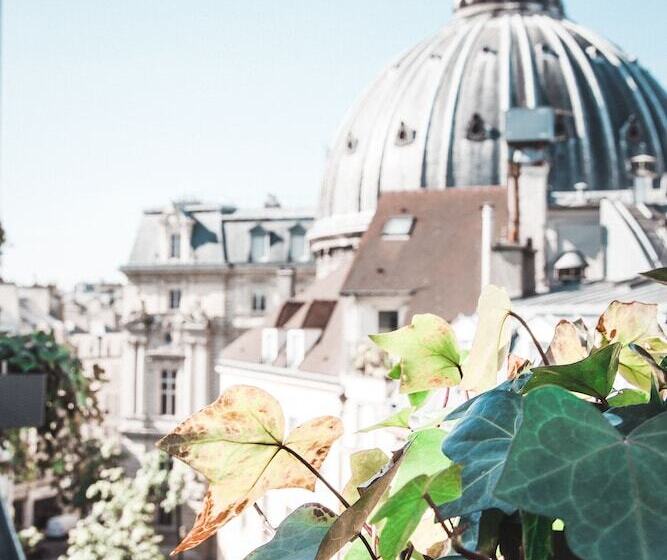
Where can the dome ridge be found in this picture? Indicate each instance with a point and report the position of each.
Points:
(465, 7)
(436, 117)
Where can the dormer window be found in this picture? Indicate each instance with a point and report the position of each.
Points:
(298, 248)
(260, 242)
(570, 268)
(398, 227)
(175, 246)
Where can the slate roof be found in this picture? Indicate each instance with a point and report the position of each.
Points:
(220, 235)
(438, 264)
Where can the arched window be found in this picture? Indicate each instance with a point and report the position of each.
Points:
(259, 244)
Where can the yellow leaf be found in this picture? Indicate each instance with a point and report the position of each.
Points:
(489, 347)
(567, 346)
(238, 444)
(364, 465)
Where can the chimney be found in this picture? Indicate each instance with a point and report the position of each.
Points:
(286, 283)
(487, 242)
(643, 171)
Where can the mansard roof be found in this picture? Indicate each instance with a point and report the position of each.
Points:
(220, 235)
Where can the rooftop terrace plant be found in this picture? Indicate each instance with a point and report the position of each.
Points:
(565, 459)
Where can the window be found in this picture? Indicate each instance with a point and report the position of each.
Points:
(298, 247)
(175, 246)
(259, 245)
(398, 227)
(258, 302)
(168, 392)
(174, 299)
(387, 321)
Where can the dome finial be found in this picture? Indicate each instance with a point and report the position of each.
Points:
(553, 6)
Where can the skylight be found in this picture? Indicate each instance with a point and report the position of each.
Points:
(398, 227)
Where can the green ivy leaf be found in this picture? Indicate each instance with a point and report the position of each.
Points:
(592, 376)
(429, 353)
(422, 457)
(537, 536)
(401, 419)
(627, 418)
(568, 462)
(628, 397)
(657, 275)
(351, 521)
(480, 442)
(299, 536)
(405, 509)
(511, 385)
(395, 372)
(417, 400)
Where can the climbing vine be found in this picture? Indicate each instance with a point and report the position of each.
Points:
(564, 459)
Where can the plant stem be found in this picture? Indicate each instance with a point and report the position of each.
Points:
(335, 492)
(448, 391)
(456, 543)
(313, 470)
(368, 546)
(521, 320)
(261, 513)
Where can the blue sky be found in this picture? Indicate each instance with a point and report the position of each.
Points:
(111, 106)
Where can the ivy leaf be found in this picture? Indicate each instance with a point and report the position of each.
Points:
(481, 530)
(627, 418)
(429, 353)
(658, 370)
(351, 521)
(480, 443)
(299, 536)
(537, 536)
(364, 465)
(511, 385)
(395, 372)
(657, 275)
(593, 376)
(238, 444)
(404, 510)
(607, 488)
(400, 419)
(490, 343)
(634, 323)
(417, 400)
(628, 397)
(423, 456)
(568, 344)
(357, 551)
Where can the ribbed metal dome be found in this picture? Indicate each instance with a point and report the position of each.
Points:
(436, 116)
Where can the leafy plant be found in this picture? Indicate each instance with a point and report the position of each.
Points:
(564, 460)
(62, 448)
(120, 524)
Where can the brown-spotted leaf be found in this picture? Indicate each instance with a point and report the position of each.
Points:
(429, 353)
(350, 523)
(238, 444)
(634, 323)
(568, 345)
